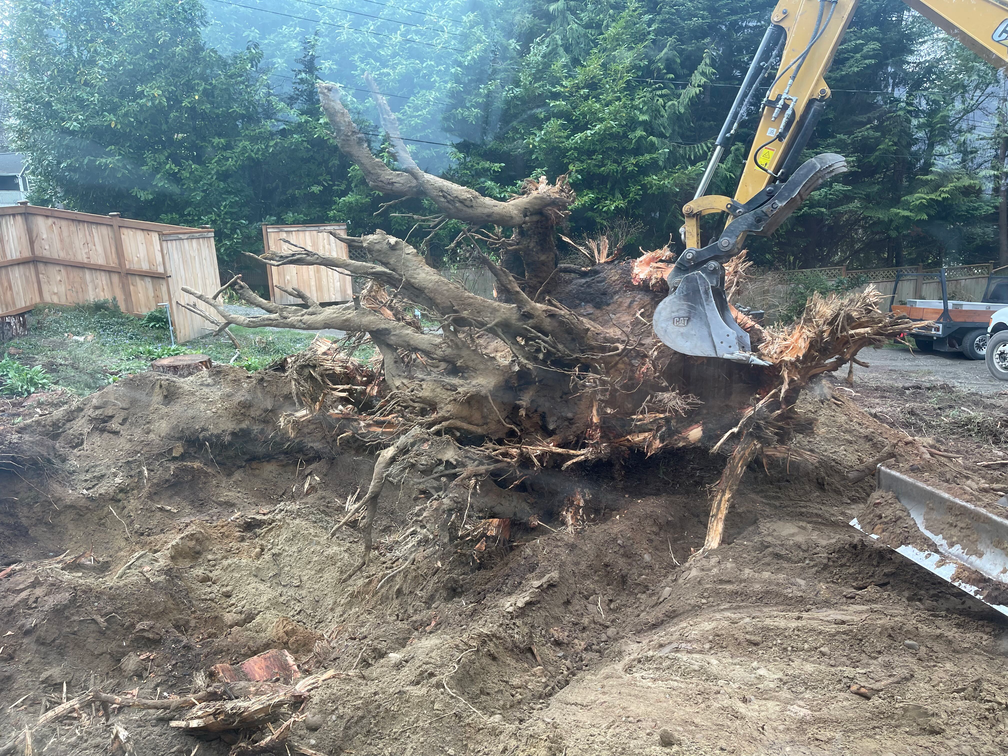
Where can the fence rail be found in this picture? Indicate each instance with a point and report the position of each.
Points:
(50, 256)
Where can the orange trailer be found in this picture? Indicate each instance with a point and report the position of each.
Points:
(952, 325)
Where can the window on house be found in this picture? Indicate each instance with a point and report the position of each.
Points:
(9, 184)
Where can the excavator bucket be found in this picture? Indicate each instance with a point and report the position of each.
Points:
(959, 542)
(695, 319)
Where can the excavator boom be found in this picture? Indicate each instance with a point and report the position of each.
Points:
(695, 318)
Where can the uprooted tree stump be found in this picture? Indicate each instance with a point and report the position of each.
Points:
(500, 389)
(182, 365)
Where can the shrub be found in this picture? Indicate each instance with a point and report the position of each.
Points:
(156, 319)
(18, 380)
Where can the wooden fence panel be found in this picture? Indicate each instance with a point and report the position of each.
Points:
(19, 281)
(61, 257)
(320, 283)
(475, 280)
(192, 262)
(774, 291)
(142, 249)
(14, 238)
(59, 238)
(967, 289)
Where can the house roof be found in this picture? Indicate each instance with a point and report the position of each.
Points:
(11, 164)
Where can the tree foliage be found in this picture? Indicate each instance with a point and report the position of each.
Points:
(198, 113)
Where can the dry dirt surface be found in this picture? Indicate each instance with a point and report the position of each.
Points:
(166, 525)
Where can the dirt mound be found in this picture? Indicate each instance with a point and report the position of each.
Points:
(173, 527)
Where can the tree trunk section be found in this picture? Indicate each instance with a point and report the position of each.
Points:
(13, 326)
(182, 365)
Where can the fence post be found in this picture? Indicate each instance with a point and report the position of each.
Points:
(269, 268)
(919, 282)
(843, 271)
(25, 213)
(121, 256)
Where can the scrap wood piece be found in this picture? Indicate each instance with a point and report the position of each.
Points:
(279, 699)
(274, 665)
(94, 695)
(271, 743)
(864, 692)
(253, 712)
(868, 468)
(62, 561)
(220, 716)
(870, 691)
(122, 742)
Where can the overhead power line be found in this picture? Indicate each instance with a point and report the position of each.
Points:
(361, 89)
(411, 10)
(320, 22)
(407, 139)
(736, 86)
(327, 6)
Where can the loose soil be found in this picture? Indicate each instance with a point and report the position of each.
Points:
(884, 516)
(165, 525)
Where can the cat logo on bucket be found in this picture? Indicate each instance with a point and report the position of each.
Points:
(680, 322)
(1001, 33)
(764, 156)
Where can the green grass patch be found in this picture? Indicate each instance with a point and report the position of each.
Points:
(87, 347)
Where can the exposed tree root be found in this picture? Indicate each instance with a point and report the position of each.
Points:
(501, 388)
(744, 453)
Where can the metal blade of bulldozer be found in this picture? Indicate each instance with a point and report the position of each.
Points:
(970, 544)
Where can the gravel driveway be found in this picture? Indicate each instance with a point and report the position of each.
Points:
(899, 367)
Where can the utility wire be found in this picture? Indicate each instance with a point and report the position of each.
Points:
(411, 10)
(326, 6)
(335, 26)
(361, 89)
(736, 86)
(407, 139)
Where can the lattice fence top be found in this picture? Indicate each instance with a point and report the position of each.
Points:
(790, 276)
(874, 275)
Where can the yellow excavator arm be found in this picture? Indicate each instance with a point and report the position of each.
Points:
(804, 34)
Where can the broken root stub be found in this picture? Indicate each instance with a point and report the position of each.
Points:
(276, 665)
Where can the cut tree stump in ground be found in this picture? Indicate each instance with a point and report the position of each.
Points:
(13, 326)
(182, 365)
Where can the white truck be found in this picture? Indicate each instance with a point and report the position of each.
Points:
(997, 345)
